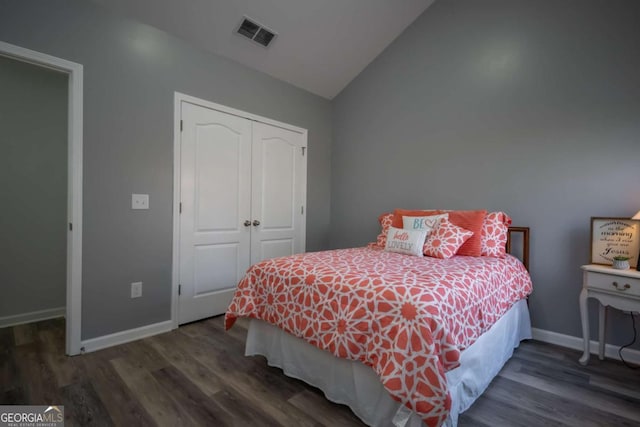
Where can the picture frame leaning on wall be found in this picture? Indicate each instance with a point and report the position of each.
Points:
(612, 237)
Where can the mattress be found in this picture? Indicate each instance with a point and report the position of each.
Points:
(356, 385)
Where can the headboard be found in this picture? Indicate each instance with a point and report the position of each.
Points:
(525, 243)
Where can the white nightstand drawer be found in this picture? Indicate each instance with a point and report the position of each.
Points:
(619, 284)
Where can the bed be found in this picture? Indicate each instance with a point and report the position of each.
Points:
(402, 340)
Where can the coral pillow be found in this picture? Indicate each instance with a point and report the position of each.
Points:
(385, 222)
(472, 221)
(408, 242)
(446, 240)
(494, 234)
(399, 213)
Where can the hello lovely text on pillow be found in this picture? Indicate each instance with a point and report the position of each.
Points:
(409, 242)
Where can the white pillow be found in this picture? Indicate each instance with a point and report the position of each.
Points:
(408, 242)
(427, 223)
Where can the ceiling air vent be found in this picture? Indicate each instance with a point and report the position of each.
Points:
(256, 32)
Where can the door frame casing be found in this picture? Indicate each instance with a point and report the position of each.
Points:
(74, 72)
(177, 114)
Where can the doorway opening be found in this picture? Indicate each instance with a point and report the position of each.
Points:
(71, 219)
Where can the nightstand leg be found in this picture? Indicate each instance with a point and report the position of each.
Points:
(584, 316)
(602, 315)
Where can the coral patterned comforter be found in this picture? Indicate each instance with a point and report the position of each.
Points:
(407, 317)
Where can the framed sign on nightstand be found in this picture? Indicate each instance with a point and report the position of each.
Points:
(612, 237)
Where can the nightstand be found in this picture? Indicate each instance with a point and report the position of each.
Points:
(618, 288)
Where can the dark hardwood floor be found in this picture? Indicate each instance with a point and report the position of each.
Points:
(197, 375)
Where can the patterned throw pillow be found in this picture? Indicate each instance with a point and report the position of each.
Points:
(494, 234)
(408, 242)
(427, 223)
(385, 222)
(445, 240)
(422, 222)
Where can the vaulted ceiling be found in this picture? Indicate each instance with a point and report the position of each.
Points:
(321, 45)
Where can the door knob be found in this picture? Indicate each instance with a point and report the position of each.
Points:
(256, 222)
(247, 223)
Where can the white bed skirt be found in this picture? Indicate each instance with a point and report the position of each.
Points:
(357, 385)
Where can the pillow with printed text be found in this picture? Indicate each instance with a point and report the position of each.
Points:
(427, 223)
(408, 242)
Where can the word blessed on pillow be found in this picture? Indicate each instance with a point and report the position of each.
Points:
(407, 242)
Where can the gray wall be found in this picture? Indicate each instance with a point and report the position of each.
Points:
(531, 107)
(33, 188)
(131, 72)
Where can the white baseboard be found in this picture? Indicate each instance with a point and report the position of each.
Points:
(576, 343)
(122, 337)
(34, 316)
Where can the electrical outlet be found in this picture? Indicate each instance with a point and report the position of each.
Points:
(139, 201)
(136, 289)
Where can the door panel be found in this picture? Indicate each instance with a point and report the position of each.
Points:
(215, 192)
(278, 177)
(278, 195)
(217, 181)
(212, 267)
(276, 248)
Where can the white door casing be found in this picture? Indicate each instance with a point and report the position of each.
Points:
(75, 71)
(240, 198)
(215, 192)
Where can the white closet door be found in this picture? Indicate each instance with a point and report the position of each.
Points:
(278, 192)
(215, 193)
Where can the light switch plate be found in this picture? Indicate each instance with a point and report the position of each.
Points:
(136, 289)
(139, 201)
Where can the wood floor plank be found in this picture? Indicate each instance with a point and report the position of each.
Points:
(325, 412)
(6, 339)
(270, 378)
(24, 334)
(238, 331)
(195, 329)
(197, 373)
(152, 396)
(244, 412)
(465, 420)
(66, 370)
(487, 411)
(568, 358)
(551, 407)
(38, 381)
(9, 373)
(191, 399)
(607, 375)
(515, 371)
(622, 388)
(57, 324)
(222, 339)
(15, 396)
(144, 356)
(83, 406)
(122, 404)
(257, 391)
